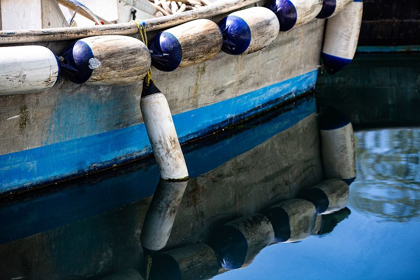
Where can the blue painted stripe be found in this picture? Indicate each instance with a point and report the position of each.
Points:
(388, 49)
(86, 200)
(44, 164)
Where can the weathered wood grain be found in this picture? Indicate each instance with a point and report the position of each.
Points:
(342, 32)
(263, 24)
(306, 10)
(200, 40)
(58, 34)
(124, 60)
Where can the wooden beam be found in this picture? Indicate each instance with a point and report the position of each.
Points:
(72, 6)
(69, 33)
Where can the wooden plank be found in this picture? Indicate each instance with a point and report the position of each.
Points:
(0, 18)
(59, 34)
(51, 15)
(21, 14)
(72, 6)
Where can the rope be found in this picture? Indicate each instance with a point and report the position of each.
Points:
(143, 37)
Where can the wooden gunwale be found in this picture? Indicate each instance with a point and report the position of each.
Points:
(69, 33)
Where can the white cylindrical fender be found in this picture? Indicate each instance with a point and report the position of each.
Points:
(248, 30)
(162, 135)
(293, 220)
(196, 261)
(238, 242)
(292, 13)
(337, 146)
(127, 274)
(106, 60)
(27, 69)
(328, 196)
(332, 7)
(186, 44)
(341, 37)
(161, 214)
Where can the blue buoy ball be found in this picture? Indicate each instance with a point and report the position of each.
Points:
(236, 35)
(166, 51)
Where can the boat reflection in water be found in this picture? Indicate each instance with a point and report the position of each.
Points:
(389, 171)
(241, 197)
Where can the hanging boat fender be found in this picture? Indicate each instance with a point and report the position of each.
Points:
(337, 145)
(292, 13)
(26, 69)
(160, 128)
(161, 214)
(238, 242)
(186, 44)
(189, 262)
(249, 30)
(329, 196)
(341, 37)
(293, 220)
(106, 60)
(331, 8)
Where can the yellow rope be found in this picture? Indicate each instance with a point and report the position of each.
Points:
(143, 38)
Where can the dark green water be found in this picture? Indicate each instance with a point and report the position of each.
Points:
(91, 228)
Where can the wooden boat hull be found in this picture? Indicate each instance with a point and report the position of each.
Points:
(73, 129)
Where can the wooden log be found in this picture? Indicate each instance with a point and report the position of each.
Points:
(187, 44)
(108, 60)
(59, 34)
(196, 261)
(26, 69)
(293, 13)
(249, 30)
(293, 220)
(328, 196)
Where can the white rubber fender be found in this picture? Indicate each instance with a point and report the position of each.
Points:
(27, 69)
(163, 137)
(341, 37)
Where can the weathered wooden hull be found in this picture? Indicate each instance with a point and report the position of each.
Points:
(72, 129)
